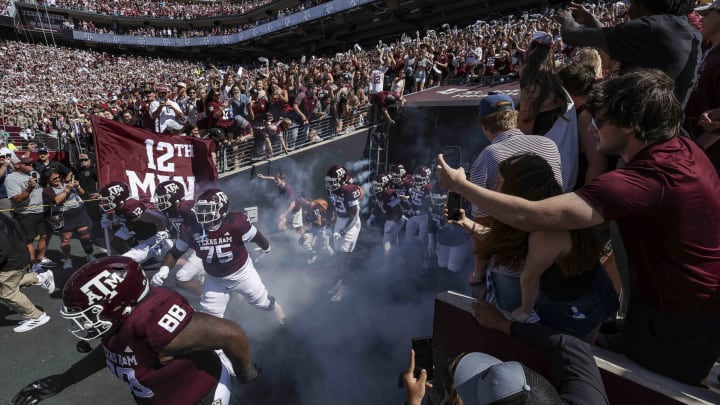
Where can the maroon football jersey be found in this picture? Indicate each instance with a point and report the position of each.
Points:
(388, 202)
(345, 197)
(181, 215)
(132, 353)
(420, 197)
(223, 250)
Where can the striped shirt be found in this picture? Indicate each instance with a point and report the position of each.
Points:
(484, 171)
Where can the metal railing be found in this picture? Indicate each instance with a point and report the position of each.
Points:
(232, 155)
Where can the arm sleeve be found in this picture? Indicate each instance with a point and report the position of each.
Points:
(575, 374)
(627, 41)
(641, 193)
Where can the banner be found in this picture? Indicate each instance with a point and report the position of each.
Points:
(300, 17)
(142, 159)
(42, 20)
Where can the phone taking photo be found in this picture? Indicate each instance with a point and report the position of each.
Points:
(423, 356)
(454, 201)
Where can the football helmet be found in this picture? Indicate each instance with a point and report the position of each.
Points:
(336, 177)
(101, 294)
(168, 193)
(397, 173)
(421, 176)
(132, 209)
(380, 183)
(211, 207)
(113, 195)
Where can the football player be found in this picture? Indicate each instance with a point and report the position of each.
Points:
(416, 229)
(387, 203)
(112, 198)
(218, 237)
(150, 230)
(152, 340)
(170, 200)
(449, 242)
(401, 181)
(316, 217)
(345, 199)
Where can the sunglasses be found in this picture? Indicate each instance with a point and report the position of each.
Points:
(84, 160)
(54, 178)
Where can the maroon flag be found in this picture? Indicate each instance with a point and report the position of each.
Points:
(142, 159)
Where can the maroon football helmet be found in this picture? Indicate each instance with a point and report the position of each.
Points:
(168, 193)
(397, 173)
(380, 183)
(421, 176)
(113, 195)
(211, 207)
(132, 209)
(101, 294)
(336, 177)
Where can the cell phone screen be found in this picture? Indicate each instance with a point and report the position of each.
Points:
(423, 356)
(453, 205)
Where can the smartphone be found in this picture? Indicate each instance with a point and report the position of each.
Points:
(453, 206)
(423, 356)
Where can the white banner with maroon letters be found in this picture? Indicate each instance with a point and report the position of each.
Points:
(142, 159)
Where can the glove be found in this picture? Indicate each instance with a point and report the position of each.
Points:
(260, 257)
(106, 222)
(249, 375)
(158, 279)
(371, 220)
(161, 236)
(43, 388)
(338, 235)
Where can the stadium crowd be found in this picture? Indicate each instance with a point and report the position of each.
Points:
(548, 197)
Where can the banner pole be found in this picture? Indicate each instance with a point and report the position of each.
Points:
(107, 242)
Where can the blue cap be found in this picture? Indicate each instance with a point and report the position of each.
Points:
(495, 103)
(481, 379)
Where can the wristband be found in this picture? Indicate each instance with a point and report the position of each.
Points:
(266, 251)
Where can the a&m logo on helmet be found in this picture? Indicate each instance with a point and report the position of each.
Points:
(171, 188)
(102, 286)
(222, 197)
(340, 172)
(115, 190)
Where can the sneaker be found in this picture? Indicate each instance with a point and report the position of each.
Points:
(37, 268)
(30, 324)
(67, 264)
(339, 294)
(90, 257)
(45, 262)
(312, 260)
(279, 313)
(46, 280)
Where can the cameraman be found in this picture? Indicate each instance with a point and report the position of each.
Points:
(27, 202)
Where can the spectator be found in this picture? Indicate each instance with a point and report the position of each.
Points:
(657, 36)
(68, 216)
(577, 79)
(498, 120)
(660, 200)
(704, 95)
(14, 263)
(165, 112)
(6, 167)
(306, 107)
(546, 108)
(382, 101)
(86, 174)
(556, 274)
(25, 192)
(44, 166)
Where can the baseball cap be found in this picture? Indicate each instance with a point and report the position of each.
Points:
(715, 4)
(181, 84)
(482, 379)
(542, 38)
(495, 103)
(42, 150)
(83, 156)
(25, 159)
